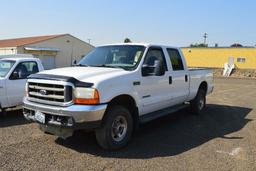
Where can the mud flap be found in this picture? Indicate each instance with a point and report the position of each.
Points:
(56, 130)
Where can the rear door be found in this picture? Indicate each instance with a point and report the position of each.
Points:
(179, 76)
(15, 86)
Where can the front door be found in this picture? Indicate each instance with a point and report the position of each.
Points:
(154, 90)
(15, 85)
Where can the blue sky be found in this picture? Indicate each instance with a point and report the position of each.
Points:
(176, 22)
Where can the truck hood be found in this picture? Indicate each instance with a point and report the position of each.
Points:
(86, 74)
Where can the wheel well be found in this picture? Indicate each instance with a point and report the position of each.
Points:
(203, 86)
(129, 103)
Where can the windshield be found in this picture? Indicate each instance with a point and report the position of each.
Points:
(5, 67)
(117, 56)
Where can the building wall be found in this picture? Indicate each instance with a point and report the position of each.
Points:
(8, 51)
(70, 48)
(216, 57)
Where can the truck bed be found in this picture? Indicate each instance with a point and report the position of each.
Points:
(196, 76)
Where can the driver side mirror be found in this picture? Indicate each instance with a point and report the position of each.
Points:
(154, 70)
(15, 76)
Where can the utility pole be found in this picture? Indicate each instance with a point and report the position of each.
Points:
(205, 37)
(89, 41)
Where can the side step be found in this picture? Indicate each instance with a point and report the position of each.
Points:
(160, 113)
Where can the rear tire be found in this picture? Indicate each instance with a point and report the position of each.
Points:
(116, 129)
(198, 104)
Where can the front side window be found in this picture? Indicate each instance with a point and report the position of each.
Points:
(116, 56)
(153, 55)
(5, 67)
(24, 69)
(176, 60)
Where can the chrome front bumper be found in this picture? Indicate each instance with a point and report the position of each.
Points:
(81, 115)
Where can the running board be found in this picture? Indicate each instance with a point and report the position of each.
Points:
(160, 113)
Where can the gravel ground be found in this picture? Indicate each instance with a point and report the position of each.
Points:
(237, 73)
(222, 138)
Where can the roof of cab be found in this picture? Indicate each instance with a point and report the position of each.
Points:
(137, 44)
(20, 59)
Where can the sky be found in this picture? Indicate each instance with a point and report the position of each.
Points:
(169, 22)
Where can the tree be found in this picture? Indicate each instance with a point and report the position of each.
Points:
(199, 45)
(236, 45)
(127, 40)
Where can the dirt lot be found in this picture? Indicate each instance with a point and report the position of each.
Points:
(222, 138)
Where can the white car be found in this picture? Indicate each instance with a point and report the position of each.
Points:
(13, 77)
(113, 89)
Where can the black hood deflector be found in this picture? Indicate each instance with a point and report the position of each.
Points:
(72, 80)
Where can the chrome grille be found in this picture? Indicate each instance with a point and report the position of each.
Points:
(49, 93)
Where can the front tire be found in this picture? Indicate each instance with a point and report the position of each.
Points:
(3, 113)
(116, 129)
(198, 104)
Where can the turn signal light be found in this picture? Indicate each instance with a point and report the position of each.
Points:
(86, 96)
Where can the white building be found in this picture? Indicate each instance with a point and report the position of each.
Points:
(54, 50)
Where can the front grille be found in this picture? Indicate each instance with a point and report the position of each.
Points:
(50, 92)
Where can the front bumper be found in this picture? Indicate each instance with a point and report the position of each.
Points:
(70, 117)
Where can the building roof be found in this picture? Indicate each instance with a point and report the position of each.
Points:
(26, 40)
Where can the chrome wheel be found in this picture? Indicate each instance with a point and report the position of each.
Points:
(119, 128)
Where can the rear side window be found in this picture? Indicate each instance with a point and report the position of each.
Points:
(176, 60)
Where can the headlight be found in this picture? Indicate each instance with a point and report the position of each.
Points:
(86, 96)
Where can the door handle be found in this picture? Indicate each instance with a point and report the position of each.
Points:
(186, 78)
(170, 79)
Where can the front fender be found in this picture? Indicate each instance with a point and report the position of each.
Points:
(107, 93)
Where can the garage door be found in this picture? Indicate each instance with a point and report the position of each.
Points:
(48, 61)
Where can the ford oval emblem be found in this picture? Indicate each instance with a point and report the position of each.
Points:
(43, 92)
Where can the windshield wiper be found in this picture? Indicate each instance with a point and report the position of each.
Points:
(82, 65)
(107, 66)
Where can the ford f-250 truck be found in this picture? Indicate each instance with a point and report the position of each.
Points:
(113, 89)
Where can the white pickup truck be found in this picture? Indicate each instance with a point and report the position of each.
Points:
(13, 77)
(113, 89)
